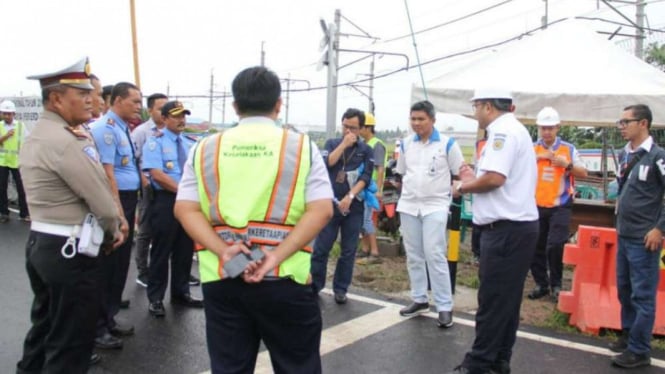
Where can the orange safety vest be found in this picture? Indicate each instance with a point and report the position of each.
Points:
(555, 185)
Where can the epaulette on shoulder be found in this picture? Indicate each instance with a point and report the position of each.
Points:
(77, 132)
(191, 138)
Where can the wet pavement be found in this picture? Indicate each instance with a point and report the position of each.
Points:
(364, 336)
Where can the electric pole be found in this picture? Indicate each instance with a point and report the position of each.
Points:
(212, 84)
(544, 19)
(371, 85)
(333, 61)
(287, 103)
(224, 107)
(263, 54)
(639, 35)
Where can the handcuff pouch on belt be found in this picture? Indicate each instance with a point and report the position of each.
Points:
(91, 238)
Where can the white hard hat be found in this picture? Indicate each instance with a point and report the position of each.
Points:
(491, 93)
(548, 116)
(7, 107)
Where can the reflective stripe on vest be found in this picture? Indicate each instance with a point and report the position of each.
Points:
(251, 188)
(555, 185)
(372, 142)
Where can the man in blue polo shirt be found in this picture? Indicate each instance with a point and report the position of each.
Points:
(117, 154)
(164, 158)
(350, 163)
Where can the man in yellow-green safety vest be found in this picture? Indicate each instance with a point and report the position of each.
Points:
(12, 136)
(370, 249)
(266, 188)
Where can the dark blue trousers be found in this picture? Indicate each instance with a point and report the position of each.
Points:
(549, 250)
(281, 313)
(506, 251)
(349, 226)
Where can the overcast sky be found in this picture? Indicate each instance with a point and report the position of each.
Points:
(181, 42)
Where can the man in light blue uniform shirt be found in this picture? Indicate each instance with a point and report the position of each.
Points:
(117, 154)
(164, 158)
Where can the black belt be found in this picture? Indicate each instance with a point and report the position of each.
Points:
(499, 224)
(128, 193)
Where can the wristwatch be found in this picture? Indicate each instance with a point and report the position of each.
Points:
(352, 195)
(569, 167)
(459, 189)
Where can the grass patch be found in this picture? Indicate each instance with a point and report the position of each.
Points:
(558, 321)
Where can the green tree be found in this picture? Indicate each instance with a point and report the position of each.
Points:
(655, 55)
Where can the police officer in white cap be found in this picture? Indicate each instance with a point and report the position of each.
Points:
(65, 182)
(504, 210)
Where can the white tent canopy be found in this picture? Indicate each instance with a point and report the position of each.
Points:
(567, 66)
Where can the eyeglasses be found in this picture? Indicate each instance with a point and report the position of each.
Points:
(475, 106)
(626, 121)
(351, 128)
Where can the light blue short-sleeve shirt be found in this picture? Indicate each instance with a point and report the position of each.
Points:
(116, 148)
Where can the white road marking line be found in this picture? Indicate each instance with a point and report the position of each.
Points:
(349, 332)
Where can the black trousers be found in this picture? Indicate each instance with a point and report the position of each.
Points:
(64, 308)
(505, 255)
(115, 267)
(282, 313)
(169, 241)
(4, 184)
(549, 250)
(144, 235)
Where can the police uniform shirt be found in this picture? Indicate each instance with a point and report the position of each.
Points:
(162, 153)
(115, 148)
(63, 176)
(426, 169)
(317, 185)
(509, 152)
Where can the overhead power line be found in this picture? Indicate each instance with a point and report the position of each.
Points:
(451, 21)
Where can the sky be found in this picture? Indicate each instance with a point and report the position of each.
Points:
(181, 43)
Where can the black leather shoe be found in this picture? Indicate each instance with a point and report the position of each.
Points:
(156, 309)
(630, 360)
(413, 309)
(340, 298)
(108, 341)
(621, 344)
(94, 359)
(120, 330)
(538, 292)
(187, 300)
(445, 319)
(124, 304)
(500, 367)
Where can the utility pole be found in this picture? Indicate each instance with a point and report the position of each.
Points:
(212, 84)
(371, 85)
(135, 48)
(639, 35)
(224, 107)
(263, 54)
(287, 104)
(544, 19)
(333, 62)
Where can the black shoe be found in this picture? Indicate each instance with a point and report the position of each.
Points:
(555, 293)
(119, 330)
(413, 309)
(124, 304)
(445, 319)
(108, 341)
(194, 281)
(500, 367)
(187, 300)
(630, 360)
(340, 298)
(156, 309)
(362, 254)
(538, 292)
(142, 280)
(94, 359)
(621, 344)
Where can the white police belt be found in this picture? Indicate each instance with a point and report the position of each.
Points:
(89, 233)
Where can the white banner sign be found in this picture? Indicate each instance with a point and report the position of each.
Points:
(28, 109)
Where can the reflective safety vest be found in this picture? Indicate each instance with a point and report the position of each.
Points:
(10, 148)
(251, 183)
(555, 185)
(372, 142)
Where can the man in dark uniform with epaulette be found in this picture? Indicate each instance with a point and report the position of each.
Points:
(164, 157)
(64, 182)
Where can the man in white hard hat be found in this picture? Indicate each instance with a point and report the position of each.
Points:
(12, 136)
(558, 164)
(506, 215)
